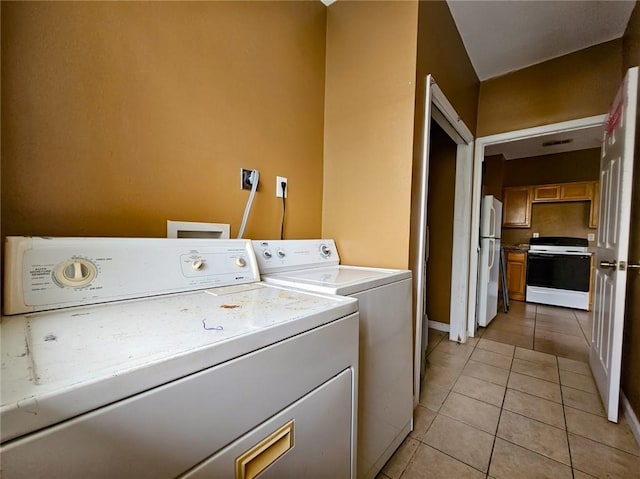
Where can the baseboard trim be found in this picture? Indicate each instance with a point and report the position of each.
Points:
(630, 416)
(439, 326)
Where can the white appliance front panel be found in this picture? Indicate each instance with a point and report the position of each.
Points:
(491, 218)
(167, 430)
(50, 273)
(343, 280)
(59, 363)
(558, 297)
(488, 268)
(320, 444)
(287, 255)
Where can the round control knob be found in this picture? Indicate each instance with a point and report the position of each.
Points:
(241, 262)
(281, 254)
(267, 254)
(325, 251)
(198, 265)
(75, 273)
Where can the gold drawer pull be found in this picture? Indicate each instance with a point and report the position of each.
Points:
(265, 453)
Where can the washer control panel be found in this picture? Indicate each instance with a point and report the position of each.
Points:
(276, 256)
(50, 273)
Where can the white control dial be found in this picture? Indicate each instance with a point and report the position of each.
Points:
(75, 273)
(198, 265)
(267, 254)
(325, 251)
(281, 253)
(241, 262)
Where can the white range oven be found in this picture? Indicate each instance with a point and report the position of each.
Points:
(164, 358)
(558, 272)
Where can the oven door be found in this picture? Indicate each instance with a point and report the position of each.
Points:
(559, 271)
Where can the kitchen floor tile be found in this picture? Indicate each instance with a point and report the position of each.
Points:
(434, 338)
(583, 401)
(582, 475)
(443, 377)
(527, 310)
(572, 329)
(598, 428)
(480, 389)
(461, 441)
(432, 397)
(396, 465)
(535, 436)
(443, 359)
(487, 372)
(516, 339)
(556, 311)
(578, 381)
(429, 463)
(548, 373)
(536, 357)
(600, 460)
(534, 407)
(572, 365)
(470, 411)
(513, 325)
(454, 348)
(535, 386)
(422, 419)
(496, 347)
(494, 359)
(510, 461)
(563, 349)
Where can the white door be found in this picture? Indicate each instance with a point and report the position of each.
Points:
(616, 170)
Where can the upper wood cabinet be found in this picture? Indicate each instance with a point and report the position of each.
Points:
(576, 191)
(517, 207)
(546, 193)
(518, 200)
(595, 205)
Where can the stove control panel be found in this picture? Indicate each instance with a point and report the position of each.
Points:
(51, 273)
(276, 256)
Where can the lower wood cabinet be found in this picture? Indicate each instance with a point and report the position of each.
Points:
(516, 274)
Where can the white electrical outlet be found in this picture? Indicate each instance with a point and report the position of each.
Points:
(279, 181)
(591, 237)
(536, 235)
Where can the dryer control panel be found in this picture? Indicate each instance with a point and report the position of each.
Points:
(276, 256)
(51, 273)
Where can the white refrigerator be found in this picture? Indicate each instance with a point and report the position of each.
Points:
(489, 263)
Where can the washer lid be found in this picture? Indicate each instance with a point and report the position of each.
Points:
(340, 279)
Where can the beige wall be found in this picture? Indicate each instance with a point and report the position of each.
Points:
(582, 165)
(119, 116)
(577, 85)
(369, 110)
(631, 349)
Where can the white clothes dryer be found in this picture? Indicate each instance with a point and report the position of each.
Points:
(165, 358)
(385, 393)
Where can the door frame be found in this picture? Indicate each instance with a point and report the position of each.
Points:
(438, 108)
(481, 143)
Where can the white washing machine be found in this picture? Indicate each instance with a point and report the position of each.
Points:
(386, 361)
(158, 358)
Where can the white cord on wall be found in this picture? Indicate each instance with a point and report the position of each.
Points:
(254, 177)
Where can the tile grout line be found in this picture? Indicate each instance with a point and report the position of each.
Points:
(566, 424)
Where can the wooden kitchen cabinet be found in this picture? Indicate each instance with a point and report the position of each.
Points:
(546, 193)
(516, 211)
(595, 206)
(576, 191)
(516, 274)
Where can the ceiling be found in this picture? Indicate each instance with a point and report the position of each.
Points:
(505, 36)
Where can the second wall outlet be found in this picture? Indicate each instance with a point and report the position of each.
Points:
(279, 190)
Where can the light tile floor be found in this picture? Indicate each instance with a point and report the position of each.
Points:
(560, 331)
(493, 410)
